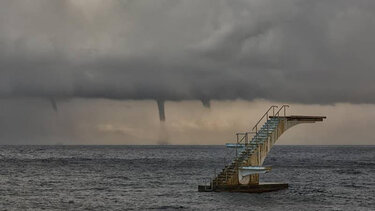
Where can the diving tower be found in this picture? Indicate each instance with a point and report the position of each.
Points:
(251, 148)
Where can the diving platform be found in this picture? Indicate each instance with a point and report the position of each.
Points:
(251, 149)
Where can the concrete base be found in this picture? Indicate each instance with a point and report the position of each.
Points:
(258, 188)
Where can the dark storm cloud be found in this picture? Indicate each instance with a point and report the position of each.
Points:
(290, 50)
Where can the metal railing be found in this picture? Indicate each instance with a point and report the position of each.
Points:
(244, 137)
(281, 108)
(265, 115)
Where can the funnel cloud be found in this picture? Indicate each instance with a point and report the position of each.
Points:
(53, 104)
(206, 103)
(161, 110)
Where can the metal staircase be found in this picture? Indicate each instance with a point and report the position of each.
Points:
(245, 147)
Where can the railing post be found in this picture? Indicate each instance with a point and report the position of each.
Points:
(237, 145)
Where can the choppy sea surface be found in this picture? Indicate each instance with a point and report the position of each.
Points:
(166, 178)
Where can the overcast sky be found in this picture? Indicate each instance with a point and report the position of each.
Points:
(105, 62)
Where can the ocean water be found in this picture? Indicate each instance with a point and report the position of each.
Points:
(166, 178)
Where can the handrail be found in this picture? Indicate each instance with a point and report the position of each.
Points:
(282, 107)
(265, 114)
(244, 134)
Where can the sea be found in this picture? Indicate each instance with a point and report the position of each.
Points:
(165, 177)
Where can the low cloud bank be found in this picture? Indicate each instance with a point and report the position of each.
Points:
(291, 50)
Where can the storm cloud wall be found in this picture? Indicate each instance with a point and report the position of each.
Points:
(289, 50)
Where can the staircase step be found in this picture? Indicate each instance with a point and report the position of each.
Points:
(270, 128)
(260, 137)
(224, 177)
